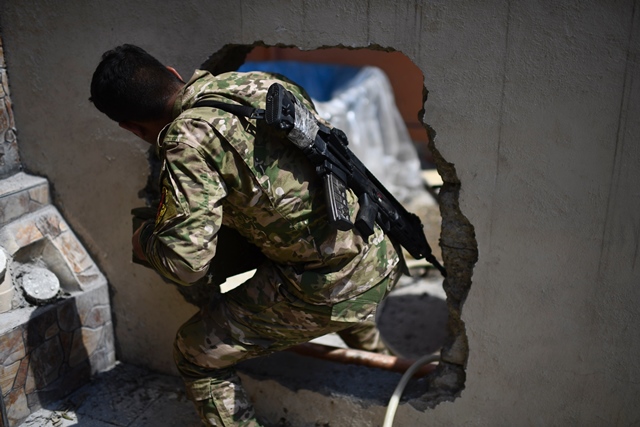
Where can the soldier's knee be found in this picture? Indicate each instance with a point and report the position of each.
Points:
(207, 354)
(222, 401)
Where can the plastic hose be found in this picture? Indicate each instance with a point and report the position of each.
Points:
(397, 393)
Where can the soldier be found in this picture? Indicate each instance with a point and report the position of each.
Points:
(222, 170)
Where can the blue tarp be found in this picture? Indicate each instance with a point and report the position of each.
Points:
(320, 81)
(360, 102)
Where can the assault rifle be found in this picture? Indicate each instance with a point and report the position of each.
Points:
(340, 168)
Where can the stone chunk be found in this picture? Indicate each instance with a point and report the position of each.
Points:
(39, 284)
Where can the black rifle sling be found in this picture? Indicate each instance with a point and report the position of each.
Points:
(235, 109)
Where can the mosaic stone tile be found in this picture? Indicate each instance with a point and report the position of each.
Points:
(68, 318)
(17, 406)
(97, 316)
(72, 252)
(21, 375)
(36, 330)
(85, 343)
(12, 346)
(47, 359)
(30, 382)
(50, 224)
(8, 374)
(22, 194)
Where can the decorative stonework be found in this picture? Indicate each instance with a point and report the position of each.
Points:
(33, 232)
(46, 351)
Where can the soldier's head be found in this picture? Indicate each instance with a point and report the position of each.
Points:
(135, 89)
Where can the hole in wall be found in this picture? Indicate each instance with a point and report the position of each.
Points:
(404, 76)
(444, 223)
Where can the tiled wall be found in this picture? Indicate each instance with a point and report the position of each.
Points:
(55, 352)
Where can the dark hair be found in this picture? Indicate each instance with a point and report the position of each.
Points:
(131, 85)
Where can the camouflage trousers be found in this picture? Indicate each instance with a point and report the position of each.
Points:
(257, 318)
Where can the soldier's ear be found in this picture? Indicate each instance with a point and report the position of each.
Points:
(175, 73)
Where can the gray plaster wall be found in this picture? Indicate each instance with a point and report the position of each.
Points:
(536, 107)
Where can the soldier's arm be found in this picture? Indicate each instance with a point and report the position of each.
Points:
(183, 240)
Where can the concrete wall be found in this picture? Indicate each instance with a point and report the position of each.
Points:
(536, 107)
(9, 161)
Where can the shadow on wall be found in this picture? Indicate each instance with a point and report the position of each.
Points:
(59, 360)
(413, 319)
(43, 360)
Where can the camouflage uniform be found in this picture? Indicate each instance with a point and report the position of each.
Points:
(221, 169)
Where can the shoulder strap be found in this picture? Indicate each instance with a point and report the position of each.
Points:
(238, 110)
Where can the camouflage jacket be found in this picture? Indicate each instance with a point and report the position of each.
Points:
(219, 168)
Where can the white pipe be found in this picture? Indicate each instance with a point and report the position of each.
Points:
(397, 393)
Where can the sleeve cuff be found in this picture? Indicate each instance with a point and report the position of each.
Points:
(146, 233)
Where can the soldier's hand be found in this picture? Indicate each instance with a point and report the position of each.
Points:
(137, 246)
